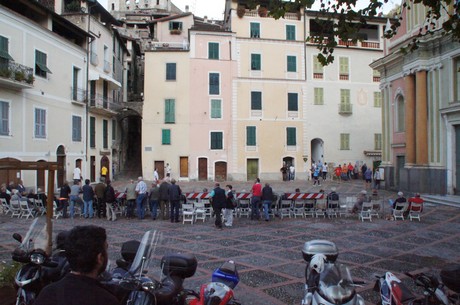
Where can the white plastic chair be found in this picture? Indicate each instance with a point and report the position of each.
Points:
(5, 206)
(188, 213)
(415, 210)
(332, 208)
(200, 211)
(244, 208)
(398, 211)
(15, 208)
(366, 211)
(299, 209)
(56, 213)
(376, 208)
(285, 208)
(26, 211)
(309, 205)
(320, 208)
(40, 206)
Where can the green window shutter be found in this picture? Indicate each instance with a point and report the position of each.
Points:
(319, 96)
(291, 136)
(292, 64)
(256, 100)
(345, 96)
(378, 141)
(216, 109)
(213, 50)
(255, 30)
(40, 123)
(170, 71)
(216, 140)
(250, 135)
(4, 49)
(4, 118)
(170, 111)
(317, 66)
(170, 25)
(40, 64)
(290, 32)
(293, 102)
(214, 80)
(166, 136)
(343, 61)
(345, 141)
(255, 62)
(76, 128)
(92, 132)
(378, 99)
(105, 134)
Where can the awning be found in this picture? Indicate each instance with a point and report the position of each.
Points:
(93, 75)
(4, 54)
(110, 79)
(43, 67)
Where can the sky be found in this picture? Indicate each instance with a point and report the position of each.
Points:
(214, 9)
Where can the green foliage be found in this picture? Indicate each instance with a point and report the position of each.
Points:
(8, 272)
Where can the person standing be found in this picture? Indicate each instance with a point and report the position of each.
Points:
(291, 172)
(350, 170)
(109, 199)
(256, 191)
(88, 196)
(156, 177)
(174, 200)
(324, 171)
(75, 191)
(130, 199)
(154, 196)
(230, 205)
(267, 198)
(377, 179)
(218, 203)
(168, 170)
(363, 170)
(104, 171)
(356, 171)
(141, 190)
(368, 176)
(64, 195)
(164, 200)
(77, 175)
(99, 189)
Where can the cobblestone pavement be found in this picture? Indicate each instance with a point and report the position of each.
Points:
(268, 254)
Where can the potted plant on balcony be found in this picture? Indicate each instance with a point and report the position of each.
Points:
(30, 78)
(175, 32)
(5, 72)
(240, 11)
(263, 11)
(73, 7)
(19, 76)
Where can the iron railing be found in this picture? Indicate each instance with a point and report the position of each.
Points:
(17, 72)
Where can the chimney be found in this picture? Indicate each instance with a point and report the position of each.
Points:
(205, 19)
(187, 8)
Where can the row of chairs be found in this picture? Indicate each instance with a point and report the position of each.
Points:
(23, 208)
(309, 207)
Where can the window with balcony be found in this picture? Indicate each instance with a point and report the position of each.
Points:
(76, 128)
(293, 102)
(375, 76)
(170, 71)
(41, 68)
(4, 55)
(344, 68)
(170, 111)
(290, 32)
(250, 135)
(377, 141)
(377, 99)
(319, 96)
(92, 132)
(318, 69)
(105, 134)
(256, 62)
(254, 30)
(213, 50)
(291, 63)
(214, 83)
(291, 136)
(40, 123)
(344, 141)
(217, 140)
(345, 104)
(216, 109)
(4, 118)
(256, 100)
(166, 137)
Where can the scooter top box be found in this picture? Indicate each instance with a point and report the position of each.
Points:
(181, 265)
(312, 247)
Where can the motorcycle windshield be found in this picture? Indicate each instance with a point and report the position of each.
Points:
(36, 237)
(336, 284)
(142, 260)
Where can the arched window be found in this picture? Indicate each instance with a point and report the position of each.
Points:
(400, 114)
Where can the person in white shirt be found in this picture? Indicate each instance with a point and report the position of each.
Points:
(156, 177)
(168, 170)
(291, 172)
(77, 175)
(141, 190)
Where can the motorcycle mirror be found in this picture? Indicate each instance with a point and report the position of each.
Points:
(17, 237)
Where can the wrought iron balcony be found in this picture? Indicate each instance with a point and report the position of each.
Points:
(103, 105)
(77, 94)
(16, 75)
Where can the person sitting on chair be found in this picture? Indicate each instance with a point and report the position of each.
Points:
(400, 199)
(416, 199)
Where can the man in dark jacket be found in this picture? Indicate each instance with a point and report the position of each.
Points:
(99, 190)
(174, 198)
(164, 200)
(64, 196)
(218, 203)
(109, 198)
(267, 198)
(88, 196)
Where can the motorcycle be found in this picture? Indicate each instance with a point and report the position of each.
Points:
(326, 281)
(394, 292)
(39, 269)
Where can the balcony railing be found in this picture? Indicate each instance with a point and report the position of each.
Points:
(343, 77)
(166, 45)
(17, 72)
(317, 75)
(77, 94)
(345, 108)
(360, 44)
(376, 79)
(104, 103)
(347, 43)
(370, 44)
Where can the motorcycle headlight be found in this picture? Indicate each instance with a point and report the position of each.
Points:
(37, 259)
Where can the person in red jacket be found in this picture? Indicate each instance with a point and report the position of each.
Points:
(256, 199)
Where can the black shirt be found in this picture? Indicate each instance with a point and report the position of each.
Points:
(76, 290)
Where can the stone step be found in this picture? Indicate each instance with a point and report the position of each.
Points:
(449, 200)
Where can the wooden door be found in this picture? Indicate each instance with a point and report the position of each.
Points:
(202, 169)
(92, 169)
(160, 166)
(252, 169)
(183, 167)
(221, 171)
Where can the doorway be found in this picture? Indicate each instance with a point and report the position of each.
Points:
(160, 166)
(221, 171)
(61, 172)
(400, 162)
(252, 166)
(317, 150)
(92, 170)
(183, 170)
(106, 162)
(202, 169)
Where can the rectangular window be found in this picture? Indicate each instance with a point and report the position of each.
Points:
(214, 83)
(292, 64)
(76, 128)
(400, 115)
(256, 100)
(114, 130)
(213, 50)
(105, 134)
(217, 140)
(40, 123)
(170, 71)
(293, 103)
(40, 64)
(170, 111)
(166, 136)
(378, 99)
(175, 25)
(92, 132)
(344, 68)
(290, 32)
(345, 105)
(5, 56)
(319, 96)
(76, 93)
(4, 118)
(291, 136)
(318, 69)
(255, 30)
(255, 62)
(250, 135)
(378, 141)
(216, 109)
(344, 141)
(376, 76)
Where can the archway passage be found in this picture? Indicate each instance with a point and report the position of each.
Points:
(105, 162)
(130, 153)
(317, 150)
